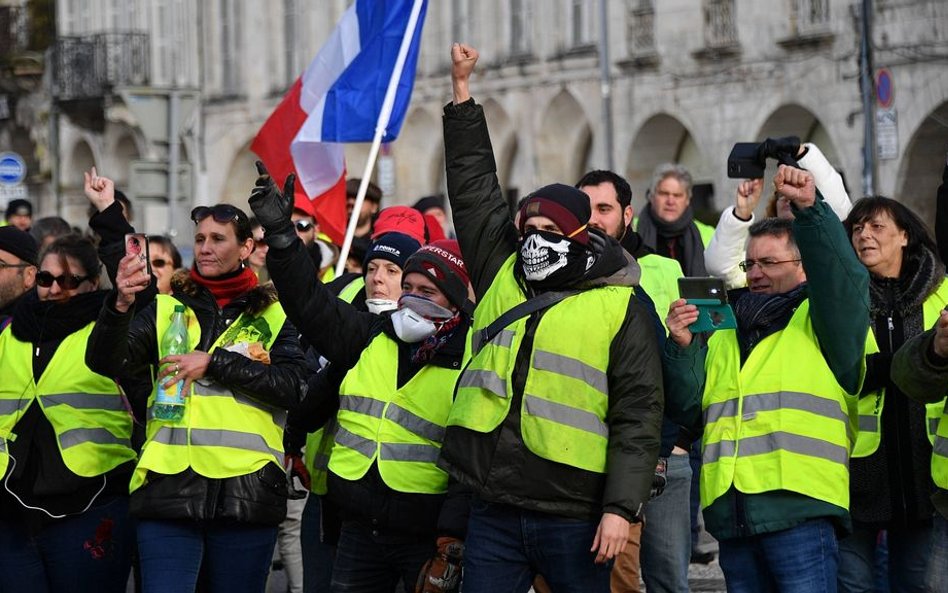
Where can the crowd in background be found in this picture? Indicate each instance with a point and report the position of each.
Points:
(504, 396)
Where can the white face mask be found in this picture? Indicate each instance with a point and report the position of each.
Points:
(418, 318)
(378, 306)
(411, 327)
(543, 254)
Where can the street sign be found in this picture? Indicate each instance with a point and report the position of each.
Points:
(887, 133)
(12, 168)
(885, 88)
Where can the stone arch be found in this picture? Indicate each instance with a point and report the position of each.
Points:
(662, 138)
(922, 164)
(240, 178)
(506, 145)
(417, 158)
(796, 120)
(124, 151)
(564, 141)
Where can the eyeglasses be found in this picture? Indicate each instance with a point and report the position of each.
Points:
(159, 263)
(4, 265)
(303, 225)
(748, 264)
(65, 281)
(222, 213)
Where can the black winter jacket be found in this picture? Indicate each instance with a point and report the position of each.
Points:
(497, 465)
(123, 345)
(340, 332)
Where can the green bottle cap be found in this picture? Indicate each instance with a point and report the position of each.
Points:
(179, 308)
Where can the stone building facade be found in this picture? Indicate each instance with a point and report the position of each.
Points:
(688, 79)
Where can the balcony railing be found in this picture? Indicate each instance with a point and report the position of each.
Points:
(720, 29)
(90, 66)
(641, 27)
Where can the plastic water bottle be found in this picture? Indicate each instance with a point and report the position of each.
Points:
(169, 402)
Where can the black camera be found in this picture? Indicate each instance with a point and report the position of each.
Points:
(748, 160)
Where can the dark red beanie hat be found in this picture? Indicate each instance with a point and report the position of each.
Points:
(565, 205)
(441, 263)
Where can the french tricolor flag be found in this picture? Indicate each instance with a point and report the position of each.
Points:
(338, 99)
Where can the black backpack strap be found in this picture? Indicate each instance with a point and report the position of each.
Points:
(528, 307)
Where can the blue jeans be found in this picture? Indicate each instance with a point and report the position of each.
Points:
(317, 556)
(232, 556)
(802, 559)
(908, 560)
(666, 538)
(938, 560)
(370, 561)
(90, 553)
(506, 547)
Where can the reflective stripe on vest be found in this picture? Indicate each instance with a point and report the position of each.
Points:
(400, 429)
(940, 451)
(319, 443)
(86, 410)
(224, 433)
(566, 392)
(872, 404)
(770, 427)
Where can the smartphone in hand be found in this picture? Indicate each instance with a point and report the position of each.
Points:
(137, 244)
(710, 296)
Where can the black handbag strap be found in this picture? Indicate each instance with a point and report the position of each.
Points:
(528, 307)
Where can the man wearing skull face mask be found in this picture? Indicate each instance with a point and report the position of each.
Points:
(393, 403)
(556, 420)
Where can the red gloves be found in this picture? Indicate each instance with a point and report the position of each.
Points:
(295, 467)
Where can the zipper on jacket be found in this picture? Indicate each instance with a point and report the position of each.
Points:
(895, 412)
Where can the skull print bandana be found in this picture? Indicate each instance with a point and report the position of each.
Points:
(549, 260)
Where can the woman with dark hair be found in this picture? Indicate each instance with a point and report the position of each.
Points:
(165, 259)
(65, 450)
(891, 481)
(209, 490)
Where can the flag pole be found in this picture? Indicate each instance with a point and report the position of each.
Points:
(384, 115)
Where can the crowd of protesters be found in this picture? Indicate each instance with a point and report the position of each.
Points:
(489, 400)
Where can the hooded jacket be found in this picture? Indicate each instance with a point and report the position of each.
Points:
(497, 465)
(125, 345)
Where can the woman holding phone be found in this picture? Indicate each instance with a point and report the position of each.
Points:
(65, 451)
(209, 490)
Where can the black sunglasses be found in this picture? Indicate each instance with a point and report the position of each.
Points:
(65, 281)
(222, 213)
(303, 225)
(159, 263)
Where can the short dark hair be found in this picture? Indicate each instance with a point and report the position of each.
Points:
(775, 227)
(622, 187)
(49, 226)
(919, 237)
(77, 247)
(169, 245)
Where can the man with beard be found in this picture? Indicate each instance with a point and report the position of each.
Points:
(556, 419)
(17, 268)
(370, 205)
(664, 544)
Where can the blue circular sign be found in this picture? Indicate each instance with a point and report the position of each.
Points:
(884, 88)
(12, 168)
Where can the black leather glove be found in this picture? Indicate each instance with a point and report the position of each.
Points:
(273, 209)
(660, 479)
(774, 148)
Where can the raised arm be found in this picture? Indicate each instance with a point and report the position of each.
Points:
(481, 215)
(336, 329)
(827, 179)
(838, 284)
(727, 247)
